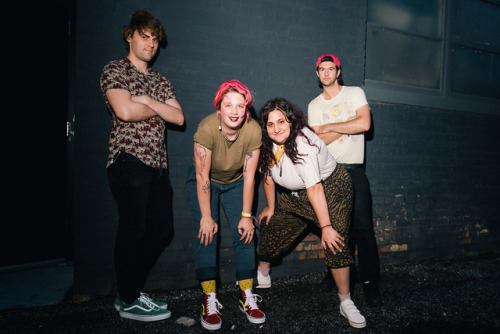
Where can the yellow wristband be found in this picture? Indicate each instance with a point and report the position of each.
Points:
(246, 214)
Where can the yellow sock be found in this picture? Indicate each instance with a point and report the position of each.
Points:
(208, 286)
(246, 284)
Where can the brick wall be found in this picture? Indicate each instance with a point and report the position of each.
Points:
(435, 178)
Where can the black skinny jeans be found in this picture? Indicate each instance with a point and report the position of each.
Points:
(362, 225)
(144, 198)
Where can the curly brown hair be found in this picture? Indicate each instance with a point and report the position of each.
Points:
(298, 120)
(143, 20)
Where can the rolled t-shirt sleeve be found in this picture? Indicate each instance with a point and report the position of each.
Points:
(308, 169)
(358, 97)
(166, 90)
(203, 136)
(256, 141)
(313, 114)
(112, 78)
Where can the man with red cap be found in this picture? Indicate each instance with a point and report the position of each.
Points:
(340, 116)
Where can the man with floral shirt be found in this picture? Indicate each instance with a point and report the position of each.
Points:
(140, 101)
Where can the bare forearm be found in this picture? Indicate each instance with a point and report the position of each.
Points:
(248, 191)
(169, 111)
(203, 189)
(316, 196)
(329, 137)
(361, 123)
(269, 191)
(127, 108)
(249, 169)
(342, 128)
(202, 160)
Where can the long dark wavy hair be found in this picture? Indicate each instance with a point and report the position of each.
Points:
(293, 115)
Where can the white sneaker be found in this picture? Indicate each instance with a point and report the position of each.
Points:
(351, 312)
(263, 282)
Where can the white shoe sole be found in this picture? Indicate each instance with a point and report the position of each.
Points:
(352, 323)
(163, 307)
(210, 327)
(146, 318)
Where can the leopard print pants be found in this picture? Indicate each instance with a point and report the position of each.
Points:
(293, 214)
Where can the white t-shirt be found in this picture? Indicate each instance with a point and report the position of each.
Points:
(317, 164)
(348, 149)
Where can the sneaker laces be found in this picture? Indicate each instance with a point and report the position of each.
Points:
(213, 305)
(144, 298)
(251, 300)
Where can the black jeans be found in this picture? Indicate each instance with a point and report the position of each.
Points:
(144, 198)
(362, 225)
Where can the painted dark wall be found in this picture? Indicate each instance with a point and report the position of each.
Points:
(434, 173)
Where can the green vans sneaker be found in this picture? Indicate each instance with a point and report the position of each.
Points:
(143, 309)
(118, 302)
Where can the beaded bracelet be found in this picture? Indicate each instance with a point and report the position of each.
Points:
(325, 226)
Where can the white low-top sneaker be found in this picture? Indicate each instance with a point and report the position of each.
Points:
(263, 282)
(351, 312)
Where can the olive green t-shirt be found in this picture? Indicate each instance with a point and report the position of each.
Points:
(227, 157)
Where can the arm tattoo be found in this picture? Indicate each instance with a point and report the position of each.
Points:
(206, 187)
(201, 152)
(248, 156)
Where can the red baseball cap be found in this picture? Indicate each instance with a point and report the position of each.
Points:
(328, 57)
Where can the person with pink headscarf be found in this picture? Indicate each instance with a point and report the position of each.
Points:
(226, 153)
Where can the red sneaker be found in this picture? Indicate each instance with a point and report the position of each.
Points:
(210, 316)
(248, 304)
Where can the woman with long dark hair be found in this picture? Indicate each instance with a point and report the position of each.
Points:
(314, 190)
